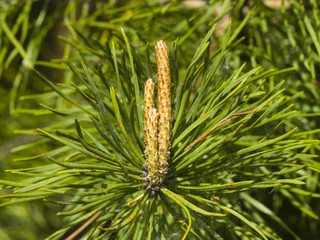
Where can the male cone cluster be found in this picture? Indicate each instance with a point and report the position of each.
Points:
(157, 122)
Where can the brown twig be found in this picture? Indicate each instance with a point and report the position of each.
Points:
(217, 126)
(86, 224)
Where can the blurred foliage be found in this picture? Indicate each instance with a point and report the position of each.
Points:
(281, 38)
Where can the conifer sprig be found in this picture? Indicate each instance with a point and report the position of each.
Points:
(157, 134)
(234, 153)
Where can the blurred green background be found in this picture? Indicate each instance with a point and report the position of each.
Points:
(39, 33)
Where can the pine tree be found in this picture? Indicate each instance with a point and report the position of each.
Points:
(160, 141)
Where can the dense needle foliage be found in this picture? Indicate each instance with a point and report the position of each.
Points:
(243, 136)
